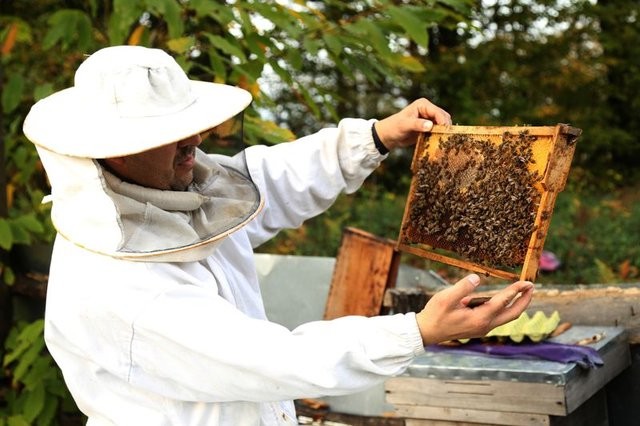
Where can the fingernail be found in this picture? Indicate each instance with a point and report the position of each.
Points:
(474, 279)
(427, 125)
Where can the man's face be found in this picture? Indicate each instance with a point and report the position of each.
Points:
(168, 167)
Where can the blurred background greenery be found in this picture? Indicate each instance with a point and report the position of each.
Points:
(308, 64)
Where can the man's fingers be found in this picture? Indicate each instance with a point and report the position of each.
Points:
(506, 296)
(428, 110)
(464, 287)
(511, 302)
(427, 125)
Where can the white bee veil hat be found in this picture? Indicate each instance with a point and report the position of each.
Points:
(129, 99)
(126, 100)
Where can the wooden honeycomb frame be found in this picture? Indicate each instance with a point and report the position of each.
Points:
(551, 152)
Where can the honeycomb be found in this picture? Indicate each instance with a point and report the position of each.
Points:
(482, 197)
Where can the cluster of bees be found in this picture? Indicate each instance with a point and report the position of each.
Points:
(476, 198)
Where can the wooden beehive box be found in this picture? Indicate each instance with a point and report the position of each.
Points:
(481, 198)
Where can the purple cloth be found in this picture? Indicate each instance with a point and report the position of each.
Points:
(584, 356)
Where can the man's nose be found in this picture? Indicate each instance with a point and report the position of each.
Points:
(194, 140)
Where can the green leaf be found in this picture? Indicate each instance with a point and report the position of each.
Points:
(257, 44)
(41, 371)
(281, 72)
(268, 130)
(180, 45)
(48, 413)
(29, 222)
(371, 33)
(93, 6)
(366, 67)
(310, 102)
(605, 273)
(6, 236)
(217, 65)
(58, 388)
(462, 6)
(42, 91)
(226, 46)
(312, 21)
(125, 14)
(33, 332)
(15, 353)
(222, 13)
(34, 403)
(245, 22)
(333, 43)
(171, 13)
(17, 421)
(67, 26)
(311, 46)
(411, 63)
(280, 16)
(407, 18)
(8, 276)
(12, 93)
(19, 234)
(20, 157)
(26, 360)
(294, 58)
(252, 69)
(25, 33)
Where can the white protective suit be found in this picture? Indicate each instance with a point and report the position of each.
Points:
(182, 338)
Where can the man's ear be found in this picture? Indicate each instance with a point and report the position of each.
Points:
(115, 165)
(114, 161)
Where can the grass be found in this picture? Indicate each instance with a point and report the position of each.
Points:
(597, 237)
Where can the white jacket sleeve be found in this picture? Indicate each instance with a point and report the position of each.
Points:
(164, 329)
(237, 358)
(301, 179)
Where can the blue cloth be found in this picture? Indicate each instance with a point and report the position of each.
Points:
(583, 356)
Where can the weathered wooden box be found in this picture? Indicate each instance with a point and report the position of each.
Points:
(467, 389)
(481, 198)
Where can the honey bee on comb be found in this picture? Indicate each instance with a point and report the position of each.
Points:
(485, 195)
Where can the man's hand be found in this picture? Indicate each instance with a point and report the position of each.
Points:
(447, 316)
(402, 128)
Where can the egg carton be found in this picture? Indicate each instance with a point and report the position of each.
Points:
(536, 328)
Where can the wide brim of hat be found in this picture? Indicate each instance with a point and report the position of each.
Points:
(64, 123)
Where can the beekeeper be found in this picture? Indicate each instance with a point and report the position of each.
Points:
(154, 312)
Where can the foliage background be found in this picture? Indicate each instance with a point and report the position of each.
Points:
(308, 64)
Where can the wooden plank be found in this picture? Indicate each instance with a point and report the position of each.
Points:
(553, 182)
(592, 413)
(492, 130)
(531, 262)
(590, 382)
(478, 394)
(595, 306)
(423, 251)
(421, 422)
(325, 416)
(468, 415)
(365, 267)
